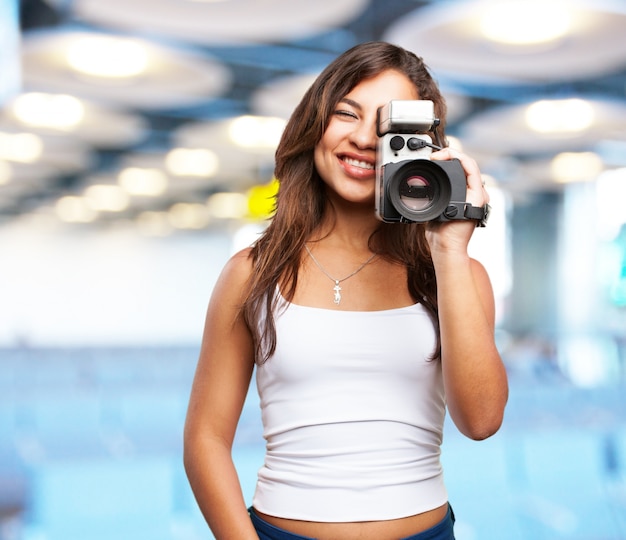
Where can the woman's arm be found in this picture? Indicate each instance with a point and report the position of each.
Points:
(218, 393)
(474, 376)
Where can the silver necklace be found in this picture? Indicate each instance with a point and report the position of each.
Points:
(337, 288)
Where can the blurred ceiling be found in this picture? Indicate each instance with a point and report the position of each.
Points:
(130, 110)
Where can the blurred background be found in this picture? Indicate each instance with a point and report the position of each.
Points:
(136, 155)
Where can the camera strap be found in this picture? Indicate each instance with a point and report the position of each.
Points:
(478, 213)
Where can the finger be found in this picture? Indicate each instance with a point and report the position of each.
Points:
(472, 171)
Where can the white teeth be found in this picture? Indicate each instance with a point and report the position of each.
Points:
(358, 163)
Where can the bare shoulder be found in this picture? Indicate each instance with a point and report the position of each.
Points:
(236, 273)
(240, 264)
(225, 328)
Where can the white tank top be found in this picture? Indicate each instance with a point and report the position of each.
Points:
(353, 412)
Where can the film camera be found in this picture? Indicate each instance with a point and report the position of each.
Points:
(410, 187)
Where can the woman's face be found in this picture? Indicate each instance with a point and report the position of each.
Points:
(345, 156)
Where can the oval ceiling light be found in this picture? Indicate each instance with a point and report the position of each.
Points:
(210, 23)
(525, 22)
(107, 198)
(506, 130)
(256, 131)
(189, 216)
(120, 72)
(569, 167)
(279, 97)
(228, 205)
(107, 56)
(56, 111)
(451, 36)
(20, 147)
(200, 162)
(140, 181)
(72, 209)
(94, 124)
(560, 116)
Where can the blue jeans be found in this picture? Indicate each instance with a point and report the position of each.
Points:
(444, 530)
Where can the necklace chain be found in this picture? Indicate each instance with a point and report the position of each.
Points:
(337, 288)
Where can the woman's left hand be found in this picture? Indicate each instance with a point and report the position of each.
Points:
(456, 234)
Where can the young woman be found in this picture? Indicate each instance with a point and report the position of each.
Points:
(362, 333)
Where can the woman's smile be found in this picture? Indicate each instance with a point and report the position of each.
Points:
(357, 167)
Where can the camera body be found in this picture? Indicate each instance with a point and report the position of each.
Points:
(409, 186)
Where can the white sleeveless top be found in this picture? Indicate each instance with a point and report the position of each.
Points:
(353, 413)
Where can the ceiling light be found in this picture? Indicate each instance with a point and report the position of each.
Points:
(147, 182)
(20, 147)
(189, 216)
(107, 198)
(256, 131)
(525, 22)
(106, 56)
(5, 172)
(576, 166)
(560, 116)
(228, 205)
(73, 209)
(57, 111)
(192, 162)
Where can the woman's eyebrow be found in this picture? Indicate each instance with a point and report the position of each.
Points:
(351, 102)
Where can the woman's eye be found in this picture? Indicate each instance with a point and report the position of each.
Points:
(346, 114)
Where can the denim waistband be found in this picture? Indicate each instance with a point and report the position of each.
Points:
(267, 531)
(444, 530)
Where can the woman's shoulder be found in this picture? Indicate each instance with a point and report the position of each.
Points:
(241, 260)
(239, 266)
(235, 274)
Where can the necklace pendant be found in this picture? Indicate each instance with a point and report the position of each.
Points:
(337, 288)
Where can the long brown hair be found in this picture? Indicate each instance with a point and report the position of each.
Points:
(301, 203)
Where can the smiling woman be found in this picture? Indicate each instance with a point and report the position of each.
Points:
(353, 380)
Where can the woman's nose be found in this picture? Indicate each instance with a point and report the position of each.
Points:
(364, 135)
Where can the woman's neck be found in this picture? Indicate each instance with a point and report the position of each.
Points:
(348, 228)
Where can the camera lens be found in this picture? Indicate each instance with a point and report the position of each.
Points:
(416, 193)
(419, 190)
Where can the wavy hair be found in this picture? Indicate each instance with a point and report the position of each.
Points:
(301, 202)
